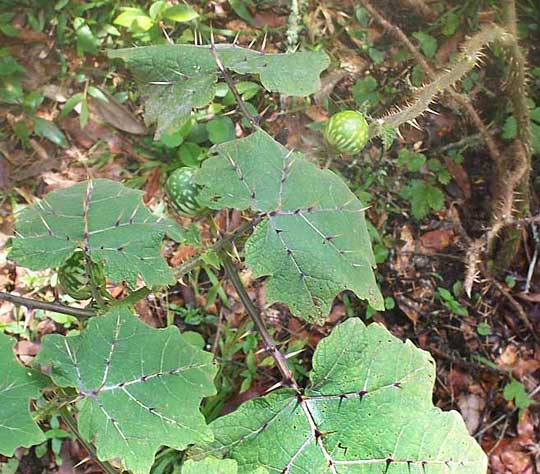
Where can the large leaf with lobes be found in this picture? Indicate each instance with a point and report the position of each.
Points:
(312, 242)
(18, 385)
(140, 387)
(179, 78)
(104, 219)
(368, 410)
(211, 465)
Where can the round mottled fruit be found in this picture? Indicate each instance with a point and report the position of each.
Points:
(74, 278)
(183, 192)
(347, 132)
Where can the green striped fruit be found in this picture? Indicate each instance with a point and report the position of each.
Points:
(347, 132)
(183, 192)
(74, 279)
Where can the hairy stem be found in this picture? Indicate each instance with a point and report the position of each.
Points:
(55, 307)
(431, 74)
(72, 425)
(513, 174)
(466, 61)
(253, 312)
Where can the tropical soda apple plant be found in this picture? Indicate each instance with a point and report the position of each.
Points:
(367, 407)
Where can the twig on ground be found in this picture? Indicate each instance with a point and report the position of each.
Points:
(513, 302)
(465, 363)
(534, 259)
(55, 307)
(421, 7)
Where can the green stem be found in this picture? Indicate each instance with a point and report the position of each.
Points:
(72, 425)
(253, 312)
(192, 263)
(54, 307)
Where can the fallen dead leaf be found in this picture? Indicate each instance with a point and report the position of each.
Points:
(519, 454)
(117, 115)
(459, 175)
(328, 83)
(410, 307)
(152, 185)
(509, 357)
(457, 381)
(406, 251)
(269, 19)
(27, 350)
(436, 240)
(471, 407)
(185, 252)
(316, 113)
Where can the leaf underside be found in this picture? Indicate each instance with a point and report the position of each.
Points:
(18, 385)
(140, 387)
(313, 241)
(368, 411)
(180, 78)
(105, 219)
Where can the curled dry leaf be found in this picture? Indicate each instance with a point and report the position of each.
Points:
(471, 407)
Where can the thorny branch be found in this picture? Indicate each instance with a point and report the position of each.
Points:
(398, 33)
(253, 312)
(54, 307)
(179, 272)
(474, 266)
(514, 178)
(228, 79)
(72, 425)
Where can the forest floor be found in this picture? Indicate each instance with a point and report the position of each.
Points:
(432, 183)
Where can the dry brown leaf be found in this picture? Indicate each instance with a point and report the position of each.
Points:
(471, 407)
(509, 357)
(459, 175)
(117, 115)
(269, 19)
(457, 381)
(436, 240)
(410, 307)
(152, 185)
(406, 251)
(185, 252)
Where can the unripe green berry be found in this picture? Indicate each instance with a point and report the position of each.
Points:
(347, 132)
(183, 191)
(74, 279)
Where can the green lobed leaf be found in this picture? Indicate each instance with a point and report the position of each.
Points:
(18, 385)
(368, 410)
(300, 244)
(210, 465)
(180, 78)
(139, 387)
(107, 220)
